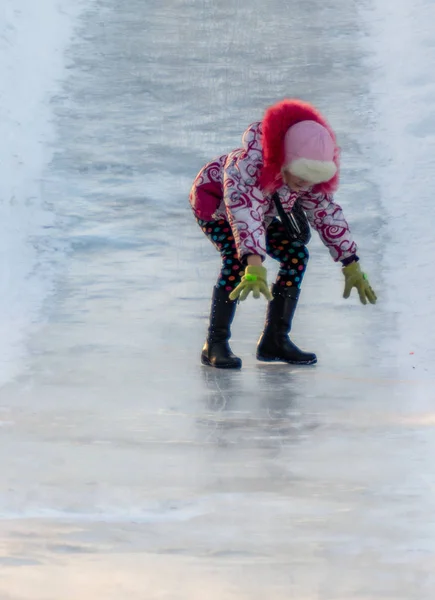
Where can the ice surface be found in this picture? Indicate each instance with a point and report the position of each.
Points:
(33, 36)
(128, 469)
(401, 57)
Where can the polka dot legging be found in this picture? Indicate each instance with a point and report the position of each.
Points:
(293, 256)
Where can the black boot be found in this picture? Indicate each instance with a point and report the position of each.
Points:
(274, 343)
(216, 351)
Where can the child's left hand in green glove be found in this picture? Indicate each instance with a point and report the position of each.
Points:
(355, 278)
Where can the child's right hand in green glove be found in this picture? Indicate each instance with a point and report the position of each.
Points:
(254, 280)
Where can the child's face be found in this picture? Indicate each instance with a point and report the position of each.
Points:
(296, 184)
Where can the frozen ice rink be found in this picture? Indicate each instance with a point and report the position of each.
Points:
(128, 470)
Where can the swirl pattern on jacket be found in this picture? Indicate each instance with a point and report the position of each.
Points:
(228, 187)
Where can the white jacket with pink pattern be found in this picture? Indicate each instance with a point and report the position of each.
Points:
(228, 188)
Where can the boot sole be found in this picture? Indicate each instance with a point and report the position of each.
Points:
(206, 362)
(289, 362)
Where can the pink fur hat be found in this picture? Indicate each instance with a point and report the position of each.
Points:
(309, 152)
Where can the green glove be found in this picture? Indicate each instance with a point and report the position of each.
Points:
(354, 277)
(254, 280)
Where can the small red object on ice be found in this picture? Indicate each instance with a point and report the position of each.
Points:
(411, 353)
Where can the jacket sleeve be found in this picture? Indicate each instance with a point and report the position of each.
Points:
(245, 207)
(245, 203)
(327, 218)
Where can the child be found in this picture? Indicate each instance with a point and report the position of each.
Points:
(292, 153)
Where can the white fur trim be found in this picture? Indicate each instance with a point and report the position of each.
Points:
(313, 171)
